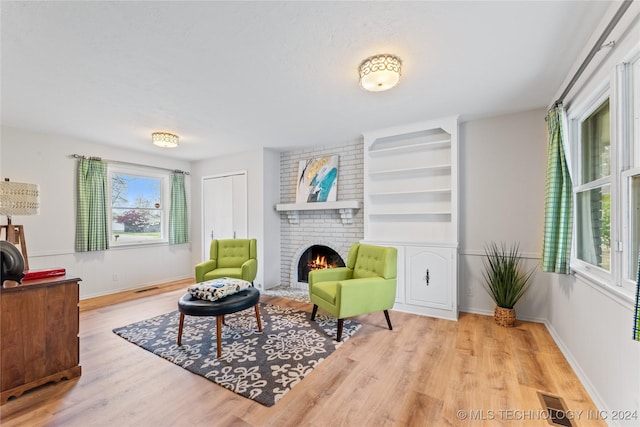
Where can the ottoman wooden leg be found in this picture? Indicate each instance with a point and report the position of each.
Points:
(258, 318)
(219, 334)
(180, 329)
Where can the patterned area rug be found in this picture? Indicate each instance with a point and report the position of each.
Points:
(262, 366)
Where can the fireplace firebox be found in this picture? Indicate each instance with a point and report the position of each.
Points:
(317, 257)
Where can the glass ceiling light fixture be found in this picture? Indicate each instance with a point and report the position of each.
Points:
(164, 139)
(380, 72)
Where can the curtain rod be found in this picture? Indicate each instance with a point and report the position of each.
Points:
(79, 156)
(598, 45)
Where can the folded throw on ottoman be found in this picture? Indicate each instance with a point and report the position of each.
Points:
(213, 290)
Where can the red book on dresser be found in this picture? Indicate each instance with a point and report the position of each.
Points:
(47, 272)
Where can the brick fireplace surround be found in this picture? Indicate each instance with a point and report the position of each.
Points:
(320, 227)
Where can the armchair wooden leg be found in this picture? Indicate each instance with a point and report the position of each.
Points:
(340, 324)
(386, 314)
(314, 312)
(258, 318)
(180, 328)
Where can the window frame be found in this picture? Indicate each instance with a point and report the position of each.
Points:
(628, 264)
(582, 112)
(629, 72)
(165, 198)
(622, 88)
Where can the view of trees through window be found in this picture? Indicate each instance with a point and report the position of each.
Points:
(594, 197)
(136, 208)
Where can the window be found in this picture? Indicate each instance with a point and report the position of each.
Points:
(634, 219)
(593, 197)
(631, 181)
(138, 206)
(604, 133)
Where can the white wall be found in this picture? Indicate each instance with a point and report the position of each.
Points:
(593, 329)
(263, 177)
(592, 325)
(271, 234)
(44, 159)
(502, 178)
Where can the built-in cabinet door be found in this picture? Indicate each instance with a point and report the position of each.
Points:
(224, 208)
(429, 279)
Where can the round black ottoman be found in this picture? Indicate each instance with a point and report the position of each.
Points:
(188, 305)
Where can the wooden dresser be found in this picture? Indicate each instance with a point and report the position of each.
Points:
(39, 341)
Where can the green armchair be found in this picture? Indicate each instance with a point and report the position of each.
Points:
(365, 285)
(235, 258)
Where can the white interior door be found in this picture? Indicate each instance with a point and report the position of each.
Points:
(239, 213)
(224, 208)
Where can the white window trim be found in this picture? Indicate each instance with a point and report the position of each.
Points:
(582, 112)
(624, 136)
(165, 190)
(626, 263)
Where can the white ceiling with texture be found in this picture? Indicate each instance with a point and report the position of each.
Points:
(231, 76)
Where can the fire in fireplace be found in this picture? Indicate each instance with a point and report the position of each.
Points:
(317, 257)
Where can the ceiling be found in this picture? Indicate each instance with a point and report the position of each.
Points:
(231, 76)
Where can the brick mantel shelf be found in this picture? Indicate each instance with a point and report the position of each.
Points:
(346, 209)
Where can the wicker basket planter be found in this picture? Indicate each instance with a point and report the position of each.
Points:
(505, 317)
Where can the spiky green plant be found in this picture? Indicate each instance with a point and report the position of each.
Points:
(504, 278)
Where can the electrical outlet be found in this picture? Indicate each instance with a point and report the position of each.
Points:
(115, 277)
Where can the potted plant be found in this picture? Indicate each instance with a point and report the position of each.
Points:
(505, 280)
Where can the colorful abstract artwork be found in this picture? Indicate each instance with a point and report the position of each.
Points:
(317, 180)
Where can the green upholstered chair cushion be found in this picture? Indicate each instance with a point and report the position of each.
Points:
(235, 273)
(232, 253)
(374, 261)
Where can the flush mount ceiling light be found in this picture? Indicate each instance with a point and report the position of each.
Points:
(380, 72)
(164, 139)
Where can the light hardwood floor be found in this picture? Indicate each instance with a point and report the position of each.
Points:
(426, 372)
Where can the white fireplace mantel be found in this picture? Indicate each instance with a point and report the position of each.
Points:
(346, 209)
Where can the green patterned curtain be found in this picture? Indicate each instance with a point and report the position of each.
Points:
(92, 217)
(558, 209)
(636, 322)
(178, 224)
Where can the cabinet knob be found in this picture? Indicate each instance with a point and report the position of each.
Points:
(426, 277)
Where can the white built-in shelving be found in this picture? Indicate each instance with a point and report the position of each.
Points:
(411, 176)
(411, 202)
(422, 170)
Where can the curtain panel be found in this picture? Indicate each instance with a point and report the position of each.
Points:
(178, 221)
(92, 217)
(558, 210)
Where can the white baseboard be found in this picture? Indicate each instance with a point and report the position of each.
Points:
(490, 313)
(136, 287)
(584, 379)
